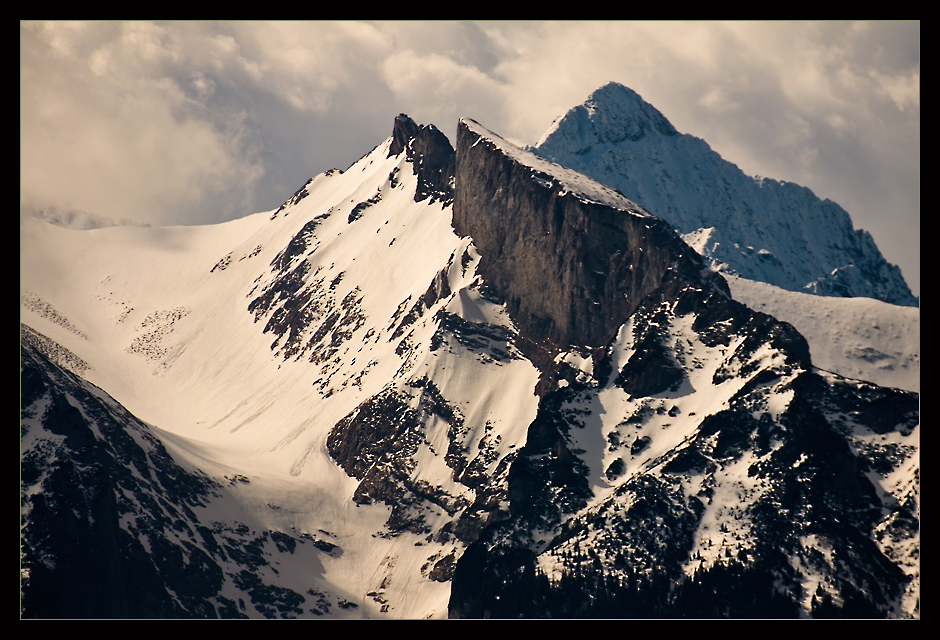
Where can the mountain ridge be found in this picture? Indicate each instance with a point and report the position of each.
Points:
(427, 435)
(765, 362)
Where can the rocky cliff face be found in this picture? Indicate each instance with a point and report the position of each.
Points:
(571, 266)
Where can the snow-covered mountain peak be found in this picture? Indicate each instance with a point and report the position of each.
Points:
(762, 229)
(610, 114)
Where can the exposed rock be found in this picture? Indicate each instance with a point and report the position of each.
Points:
(431, 155)
(571, 270)
(110, 523)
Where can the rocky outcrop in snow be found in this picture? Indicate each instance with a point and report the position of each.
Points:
(662, 393)
(430, 154)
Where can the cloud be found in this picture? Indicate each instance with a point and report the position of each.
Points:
(437, 89)
(903, 88)
(194, 122)
(307, 63)
(107, 128)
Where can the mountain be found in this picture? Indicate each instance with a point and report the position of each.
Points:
(274, 349)
(689, 410)
(757, 228)
(448, 381)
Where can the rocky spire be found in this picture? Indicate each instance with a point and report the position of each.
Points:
(431, 154)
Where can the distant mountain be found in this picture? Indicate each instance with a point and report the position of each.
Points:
(448, 381)
(757, 228)
(77, 219)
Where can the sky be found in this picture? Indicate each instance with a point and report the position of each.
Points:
(199, 122)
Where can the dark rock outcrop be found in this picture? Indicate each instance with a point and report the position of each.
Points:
(431, 155)
(571, 270)
(82, 457)
(111, 523)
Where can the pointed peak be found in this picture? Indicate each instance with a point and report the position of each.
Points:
(615, 88)
(614, 104)
(611, 114)
(403, 130)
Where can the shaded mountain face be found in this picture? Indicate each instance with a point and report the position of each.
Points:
(113, 527)
(758, 228)
(572, 266)
(493, 385)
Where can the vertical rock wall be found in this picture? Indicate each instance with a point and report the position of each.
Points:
(571, 270)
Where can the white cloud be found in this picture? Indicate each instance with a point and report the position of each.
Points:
(106, 131)
(306, 63)
(717, 100)
(439, 90)
(903, 89)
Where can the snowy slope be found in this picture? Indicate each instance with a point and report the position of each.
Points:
(341, 369)
(854, 337)
(161, 317)
(113, 526)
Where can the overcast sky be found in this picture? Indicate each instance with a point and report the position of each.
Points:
(202, 122)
